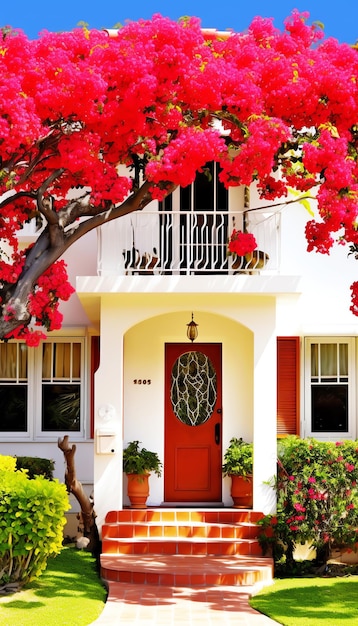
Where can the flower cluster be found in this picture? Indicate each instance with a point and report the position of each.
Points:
(44, 300)
(354, 298)
(241, 243)
(51, 287)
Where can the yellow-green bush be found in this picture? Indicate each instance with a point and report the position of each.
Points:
(31, 523)
(7, 463)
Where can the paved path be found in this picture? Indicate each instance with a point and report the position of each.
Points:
(153, 605)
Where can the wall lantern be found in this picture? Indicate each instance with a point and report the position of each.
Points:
(192, 330)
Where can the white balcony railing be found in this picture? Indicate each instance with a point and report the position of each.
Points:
(184, 243)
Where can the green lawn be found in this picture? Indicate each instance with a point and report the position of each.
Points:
(310, 601)
(69, 593)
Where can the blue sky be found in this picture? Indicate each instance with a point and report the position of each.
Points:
(340, 18)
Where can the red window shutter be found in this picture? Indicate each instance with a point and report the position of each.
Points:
(288, 387)
(95, 345)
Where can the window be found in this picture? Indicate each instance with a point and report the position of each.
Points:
(42, 389)
(330, 398)
(13, 387)
(61, 386)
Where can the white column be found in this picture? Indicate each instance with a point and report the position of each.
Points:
(265, 429)
(108, 409)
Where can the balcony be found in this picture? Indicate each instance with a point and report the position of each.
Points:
(186, 243)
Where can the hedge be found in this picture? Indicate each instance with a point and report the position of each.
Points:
(36, 466)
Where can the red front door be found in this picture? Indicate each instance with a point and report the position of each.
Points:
(193, 423)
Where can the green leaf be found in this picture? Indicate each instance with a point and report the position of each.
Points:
(304, 199)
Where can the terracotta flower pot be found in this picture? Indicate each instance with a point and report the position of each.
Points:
(242, 491)
(138, 490)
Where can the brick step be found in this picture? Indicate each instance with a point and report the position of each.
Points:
(209, 516)
(181, 545)
(180, 570)
(241, 530)
(184, 548)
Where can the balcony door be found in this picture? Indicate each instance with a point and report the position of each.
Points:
(194, 225)
(193, 423)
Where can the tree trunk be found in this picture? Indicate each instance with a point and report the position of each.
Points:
(88, 515)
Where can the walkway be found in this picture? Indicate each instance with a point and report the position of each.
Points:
(153, 605)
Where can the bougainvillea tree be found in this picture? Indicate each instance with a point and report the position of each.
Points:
(74, 106)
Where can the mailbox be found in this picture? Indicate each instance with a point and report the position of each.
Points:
(106, 442)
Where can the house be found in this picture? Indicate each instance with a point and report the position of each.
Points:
(274, 355)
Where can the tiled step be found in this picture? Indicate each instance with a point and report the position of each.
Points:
(223, 516)
(180, 570)
(183, 547)
(153, 530)
(190, 532)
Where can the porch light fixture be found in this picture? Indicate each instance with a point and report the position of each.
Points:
(192, 330)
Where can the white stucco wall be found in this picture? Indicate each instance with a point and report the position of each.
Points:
(322, 307)
(147, 322)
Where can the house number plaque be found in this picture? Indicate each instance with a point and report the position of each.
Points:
(142, 381)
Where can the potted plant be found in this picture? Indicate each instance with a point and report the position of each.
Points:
(138, 463)
(238, 463)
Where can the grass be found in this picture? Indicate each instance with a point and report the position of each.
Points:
(310, 601)
(69, 593)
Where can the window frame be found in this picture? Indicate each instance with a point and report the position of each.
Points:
(39, 433)
(34, 430)
(350, 433)
(24, 434)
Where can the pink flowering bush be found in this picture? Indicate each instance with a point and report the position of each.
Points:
(317, 499)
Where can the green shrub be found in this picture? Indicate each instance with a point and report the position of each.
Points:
(31, 524)
(317, 499)
(36, 466)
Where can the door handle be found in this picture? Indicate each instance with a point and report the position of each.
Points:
(217, 433)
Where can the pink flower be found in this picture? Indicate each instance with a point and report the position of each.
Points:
(349, 467)
(241, 243)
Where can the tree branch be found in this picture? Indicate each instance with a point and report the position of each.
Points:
(135, 202)
(280, 204)
(45, 204)
(74, 486)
